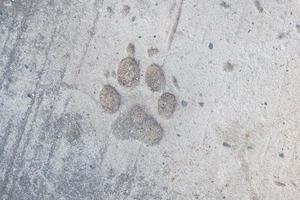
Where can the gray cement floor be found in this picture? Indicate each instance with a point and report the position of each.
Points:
(233, 67)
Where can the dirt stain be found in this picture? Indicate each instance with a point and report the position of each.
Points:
(152, 51)
(228, 67)
(280, 184)
(175, 82)
(258, 6)
(224, 4)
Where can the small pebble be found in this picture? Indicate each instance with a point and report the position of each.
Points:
(184, 103)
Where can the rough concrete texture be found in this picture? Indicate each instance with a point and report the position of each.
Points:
(233, 64)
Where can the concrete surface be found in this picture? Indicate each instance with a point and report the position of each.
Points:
(233, 65)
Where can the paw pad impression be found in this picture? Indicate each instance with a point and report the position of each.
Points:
(128, 73)
(136, 123)
(155, 77)
(110, 99)
(166, 105)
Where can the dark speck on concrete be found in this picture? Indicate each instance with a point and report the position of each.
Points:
(281, 155)
(109, 10)
(281, 35)
(298, 27)
(225, 144)
(280, 184)
(228, 67)
(175, 82)
(258, 6)
(125, 10)
(210, 45)
(92, 166)
(224, 4)
(130, 50)
(184, 103)
(197, 196)
(201, 104)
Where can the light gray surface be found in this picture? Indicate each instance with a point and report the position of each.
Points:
(235, 133)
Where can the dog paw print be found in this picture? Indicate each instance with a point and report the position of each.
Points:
(136, 123)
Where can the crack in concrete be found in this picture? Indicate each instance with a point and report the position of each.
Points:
(172, 32)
